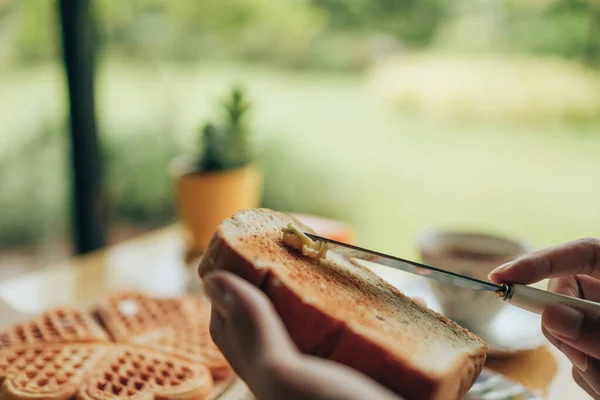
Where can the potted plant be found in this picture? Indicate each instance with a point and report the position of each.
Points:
(221, 177)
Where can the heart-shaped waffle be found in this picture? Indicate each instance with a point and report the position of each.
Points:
(46, 371)
(59, 325)
(99, 372)
(126, 315)
(191, 341)
(176, 326)
(130, 371)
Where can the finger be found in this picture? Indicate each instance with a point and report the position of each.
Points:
(574, 328)
(246, 327)
(552, 339)
(581, 286)
(592, 375)
(566, 285)
(583, 383)
(317, 379)
(216, 326)
(578, 257)
(248, 310)
(578, 358)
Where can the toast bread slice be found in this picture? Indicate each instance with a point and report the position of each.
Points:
(344, 312)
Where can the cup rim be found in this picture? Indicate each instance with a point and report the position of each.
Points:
(431, 240)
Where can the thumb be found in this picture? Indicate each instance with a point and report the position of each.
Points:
(245, 326)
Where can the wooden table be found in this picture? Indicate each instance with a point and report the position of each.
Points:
(154, 263)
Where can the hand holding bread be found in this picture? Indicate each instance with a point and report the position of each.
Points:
(248, 331)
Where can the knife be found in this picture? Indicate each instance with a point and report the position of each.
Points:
(522, 296)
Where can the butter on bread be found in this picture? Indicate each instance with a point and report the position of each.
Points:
(336, 309)
(295, 238)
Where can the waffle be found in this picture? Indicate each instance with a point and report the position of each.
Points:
(190, 340)
(98, 372)
(144, 348)
(135, 372)
(46, 371)
(54, 326)
(177, 326)
(129, 314)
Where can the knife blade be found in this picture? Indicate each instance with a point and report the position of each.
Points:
(352, 251)
(522, 296)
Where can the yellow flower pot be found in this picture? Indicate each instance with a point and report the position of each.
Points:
(205, 199)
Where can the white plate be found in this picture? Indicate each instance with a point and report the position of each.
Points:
(493, 386)
(512, 331)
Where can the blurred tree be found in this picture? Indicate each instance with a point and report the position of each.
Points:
(414, 21)
(592, 56)
(288, 31)
(115, 19)
(557, 27)
(280, 32)
(35, 36)
(344, 14)
(134, 28)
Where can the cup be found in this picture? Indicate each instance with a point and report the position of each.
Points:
(474, 255)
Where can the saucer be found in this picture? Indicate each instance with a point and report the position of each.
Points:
(493, 386)
(512, 331)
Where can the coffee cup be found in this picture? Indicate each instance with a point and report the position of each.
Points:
(474, 255)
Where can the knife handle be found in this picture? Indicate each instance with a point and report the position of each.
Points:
(536, 300)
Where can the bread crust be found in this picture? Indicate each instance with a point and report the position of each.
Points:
(318, 332)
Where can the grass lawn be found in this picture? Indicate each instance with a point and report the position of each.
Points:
(331, 146)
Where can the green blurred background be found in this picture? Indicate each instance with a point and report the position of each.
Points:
(392, 115)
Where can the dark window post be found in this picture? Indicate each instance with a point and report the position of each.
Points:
(78, 41)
